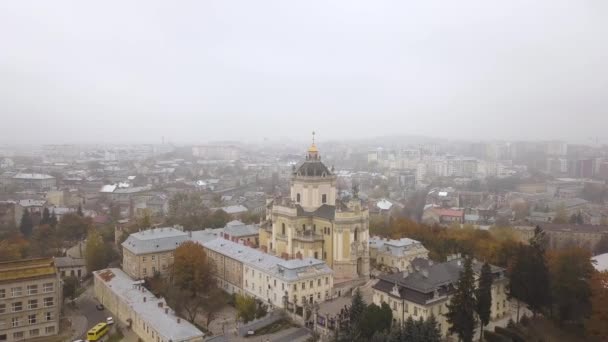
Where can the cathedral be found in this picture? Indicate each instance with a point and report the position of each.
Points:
(314, 222)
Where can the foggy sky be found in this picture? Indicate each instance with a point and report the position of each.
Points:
(134, 71)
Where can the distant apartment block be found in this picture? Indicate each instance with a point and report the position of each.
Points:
(30, 299)
(36, 181)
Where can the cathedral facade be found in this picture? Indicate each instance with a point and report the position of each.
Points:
(313, 222)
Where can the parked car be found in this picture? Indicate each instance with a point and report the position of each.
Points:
(110, 320)
(100, 307)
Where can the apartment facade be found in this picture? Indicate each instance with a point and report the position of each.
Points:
(426, 288)
(30, 299)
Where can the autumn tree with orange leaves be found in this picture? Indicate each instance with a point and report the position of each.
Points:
(596, 325)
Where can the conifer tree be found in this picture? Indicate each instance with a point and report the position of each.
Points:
(27, 225)
(483, 296)
(432, 332)
(461, 309)
(46, 217)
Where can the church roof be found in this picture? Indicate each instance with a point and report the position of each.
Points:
(325, 211)
(312, 168)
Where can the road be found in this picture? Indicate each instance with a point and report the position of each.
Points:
(85, 307)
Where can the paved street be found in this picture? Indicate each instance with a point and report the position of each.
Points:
(84, 315)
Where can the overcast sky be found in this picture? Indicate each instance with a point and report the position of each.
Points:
(134, 71)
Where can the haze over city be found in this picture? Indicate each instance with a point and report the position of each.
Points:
(74, 72)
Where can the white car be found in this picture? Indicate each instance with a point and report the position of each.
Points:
(110, 320)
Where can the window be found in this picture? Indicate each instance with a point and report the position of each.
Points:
(319, 295)
(16, 291)
(275, 282)
(34, 332)
(324, 255)
(153, 257)
(318, 282)
(283, 228)
(294, 287)
(3, 337)
(406, 307)
(15, 322)
(2, 293)
(17, 306)
(356, 233)
(49, 330)
(314, 228)
(326, 280)
(145, 271)
(298, 198)
(18, 335)
(316, 255)
(2, 308)
(48, 301)
(303, 286)
(31, 319)
(32, 304)
(153, 270)
(303, 227)
(324, 199)
(311, 284)
(415, 311)
(395, 306)
(143, 258)
(48, 287)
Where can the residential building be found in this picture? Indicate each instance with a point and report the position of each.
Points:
(30, 299)
(140, 310)
(396, 254)
(313, 223)
(564, 235)
(425, 289)
(434, 215)
(71, 267)
(151, 251)
(238, 231)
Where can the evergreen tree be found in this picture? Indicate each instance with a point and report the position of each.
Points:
(409, 330)
(95, 253)
(396, 334)
(539, 295)
(79, 211)
(46, 217)
(461, 309)
(357, 308)
(483, 296)
(27, 225)
(432, 332)
(53, 220)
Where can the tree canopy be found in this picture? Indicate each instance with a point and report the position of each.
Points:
(461, 308)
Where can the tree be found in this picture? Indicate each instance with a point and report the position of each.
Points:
(539, 294)
(602, 245)
(571, 272)
(46, 217)
(27, 225)
(245, 307)
(596, 324)
(187, 210)
(461, 309)
(431, 332)
(357, 307)
(192, 278)
(483, 296)
(95, 253)
(74, 227)
(70, 285)
(44, 242)
(53, 219)
(375, 319)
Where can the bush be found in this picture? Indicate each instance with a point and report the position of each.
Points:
(494, 337)
(512, 334)
(524, 320)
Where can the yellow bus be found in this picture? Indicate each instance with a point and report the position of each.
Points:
(97, 332)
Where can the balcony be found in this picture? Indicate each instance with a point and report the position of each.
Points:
(308, 235)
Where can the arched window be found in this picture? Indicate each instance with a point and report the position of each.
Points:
(298, 198)
(324, 198)
(283, 228)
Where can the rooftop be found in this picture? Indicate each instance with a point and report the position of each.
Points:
(155, 240)
(168, 325)
(61, 262)
(29, 268)
(32, 176)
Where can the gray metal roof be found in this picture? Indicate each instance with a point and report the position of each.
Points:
(155, 240)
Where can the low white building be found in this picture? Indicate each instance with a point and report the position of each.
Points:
(131, 304)
(71, 267)
(396, 253)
